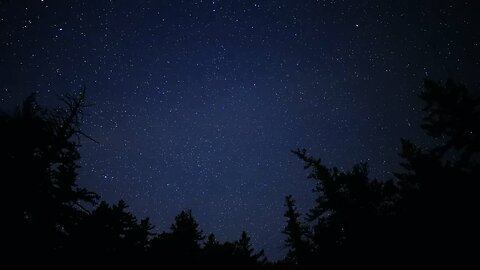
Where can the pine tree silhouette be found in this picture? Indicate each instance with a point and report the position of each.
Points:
(38, 157)
(296, 233)
(245, 251)
(437, 188)
(181, 246)
(427, 207)
(111, 232)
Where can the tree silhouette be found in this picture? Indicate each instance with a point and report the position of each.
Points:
(453, 114)
(185, 229)
(437, 188)
(245, 251)
(347, 214)
(217, 255)
(296, 233)
(49, 217)
(428, 206)
(181, 246)
(232, 255)
(111, 231)
(38, 157)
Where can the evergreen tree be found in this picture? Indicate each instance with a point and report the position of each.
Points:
(38, 157)
(180, 246)
(437, 187)
(185, 230)
(243, 248)
(453, 114)
(428, 206)
(295, 232)
(111, 231)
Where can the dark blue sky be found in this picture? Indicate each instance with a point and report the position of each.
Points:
(197, 104)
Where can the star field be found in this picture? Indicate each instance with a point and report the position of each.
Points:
(197, 104)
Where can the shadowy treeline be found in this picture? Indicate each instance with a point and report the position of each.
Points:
(52, 220)
(427, 212)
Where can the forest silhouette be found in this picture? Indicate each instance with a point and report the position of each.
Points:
(425, 212)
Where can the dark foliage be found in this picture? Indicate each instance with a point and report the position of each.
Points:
(39, 154)
(427, 212)
(51, 220)
(181, 246)
(424, 214)
(110, 231)
(238, 254)
(296, 231)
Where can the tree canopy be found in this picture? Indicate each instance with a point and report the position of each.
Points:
(427, 207)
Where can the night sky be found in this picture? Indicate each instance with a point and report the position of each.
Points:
(197, 104)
